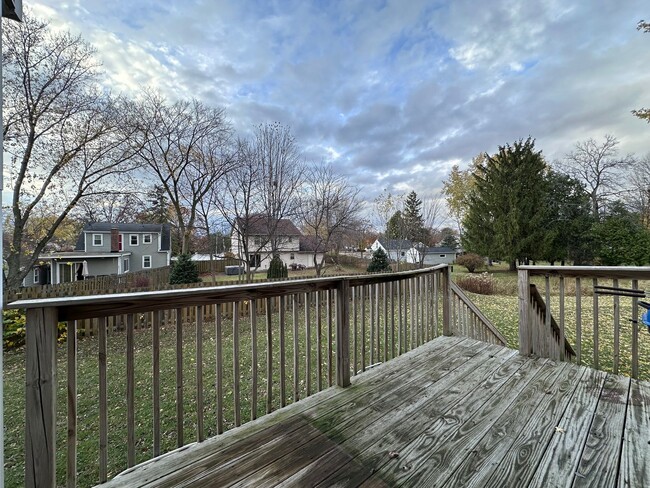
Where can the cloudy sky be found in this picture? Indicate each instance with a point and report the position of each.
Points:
(392, 92)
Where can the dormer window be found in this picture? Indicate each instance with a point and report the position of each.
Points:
(98, 239)
(146, 239)
(134, 239)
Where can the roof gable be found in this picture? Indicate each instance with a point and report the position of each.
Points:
(260, 225)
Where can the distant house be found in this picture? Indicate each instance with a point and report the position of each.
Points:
(105, 249)
(294, 248)
(399, 250)
(439, 255)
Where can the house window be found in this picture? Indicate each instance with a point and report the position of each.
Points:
(254, 260)
(126, 265)
(37, 276)
(120, 245)
(292, 256)
(134, 239)
(402, 253)
(146, 261)
(443, 255)
(98, 239)
(146, 239)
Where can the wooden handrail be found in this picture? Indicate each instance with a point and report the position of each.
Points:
(630, 272)
(484, 321)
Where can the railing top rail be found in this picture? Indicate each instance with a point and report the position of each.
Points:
(82, 307)
(632, 272)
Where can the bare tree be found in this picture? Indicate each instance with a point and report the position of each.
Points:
(638, 197)
(599, 167)
(185, 145)
(328, 207)
(433, 213)
(122, 207)
(61, 129)
(281, 174)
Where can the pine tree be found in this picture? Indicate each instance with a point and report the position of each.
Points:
(379, 262)
(277, 269)
(184, 270)
(412, 218)
(507, 207)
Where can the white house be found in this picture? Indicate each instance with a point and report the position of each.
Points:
(295, 250)
(439, 255)
(399, 250)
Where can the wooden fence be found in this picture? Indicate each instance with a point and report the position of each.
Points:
(591, 330)
(273, 344)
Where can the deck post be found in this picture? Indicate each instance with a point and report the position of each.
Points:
(525, 336)
(343, 333)
(446, 301)
(40, 397)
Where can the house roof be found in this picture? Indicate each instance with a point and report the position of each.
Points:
(440, 250)
(392, 244)
(311, 244)
(258, 225)
(105, 227)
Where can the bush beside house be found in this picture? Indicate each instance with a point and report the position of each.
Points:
(184, 271)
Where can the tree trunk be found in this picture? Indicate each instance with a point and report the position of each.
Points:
(513, 265)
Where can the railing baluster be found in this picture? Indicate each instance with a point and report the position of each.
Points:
(342, 334)
(219, 360)
(595, 312)
(283, 370)
(400, 334)
(253, 318)
(235, 362)
(307, 345)
(561, 340)
(155, 373)
(319, 340)
(296, 366)
(373, 321)
(103, 398)
(199, 374)
(330, 352)
(578, 320)
(363, 328)
(72, 404)
(617, 318)
(635, 332)
(385, 305)
(392, 318)
(269, 356)
(354, 333)
(130, 391)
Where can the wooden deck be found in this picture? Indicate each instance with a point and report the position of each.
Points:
(455, 412)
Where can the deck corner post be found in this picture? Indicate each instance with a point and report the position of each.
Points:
(525, 333)
(40, 397)
(446, 301)
(343, 333)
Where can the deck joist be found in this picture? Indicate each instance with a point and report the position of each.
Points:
(455, 412)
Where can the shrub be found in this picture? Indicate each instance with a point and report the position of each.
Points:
(379, 262)
(183, 271)
(13, 334)
(277, 269)
(483, 284)
(141, 281)
(471, 261)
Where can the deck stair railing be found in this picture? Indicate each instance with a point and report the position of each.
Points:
(206, 363)
(573, 309)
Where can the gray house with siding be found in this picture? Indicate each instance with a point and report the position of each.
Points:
(106, 249)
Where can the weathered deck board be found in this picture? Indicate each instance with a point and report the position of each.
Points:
(455, 412)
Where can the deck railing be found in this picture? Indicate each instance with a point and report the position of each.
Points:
(252, 349)
(600, 329)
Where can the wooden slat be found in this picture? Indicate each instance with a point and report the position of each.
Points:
(598, 465)
(253, 317)
(130, 391)
(436, 298)
(179, 378)
(595, 330)
(391, 292)
(236, 361)
(283, 369)
(363, 328)
(269, 356)
(525, 336)
(319, 340)
(617, 333)
(71, 472)
(307, 345)
(296, 354)
(200, 431)
(373, 322)
(446, 301)
(385, 321)
(330, 351)
(219, 365)
(561, 324)
(343, 334)
(635, 332)
(103, 397)
(578, 320)
(400, 336)
(635, 459)
(155, 374)
(355, 345)
(413, 316)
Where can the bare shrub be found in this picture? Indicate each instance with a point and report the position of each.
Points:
(483, 284)
(471, 261)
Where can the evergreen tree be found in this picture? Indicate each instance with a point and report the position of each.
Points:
(395, 226)
(413, 220)
(506, 210)
(621, 239)
(184, 270)
(450, 241)
(277, 269)
(379, 262)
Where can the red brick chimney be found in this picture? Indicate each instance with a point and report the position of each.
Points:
(115, 240)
